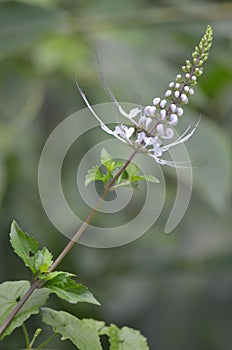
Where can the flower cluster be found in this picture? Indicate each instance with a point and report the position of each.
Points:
(154, 123)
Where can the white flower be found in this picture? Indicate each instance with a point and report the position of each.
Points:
(148, 141)
(144, 122)
(124, 131)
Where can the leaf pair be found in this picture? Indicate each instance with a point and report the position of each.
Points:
(39, 261)
(109, 168)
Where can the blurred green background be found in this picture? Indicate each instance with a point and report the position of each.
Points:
(175, 288)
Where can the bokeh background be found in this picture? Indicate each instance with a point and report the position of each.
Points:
(175, 288)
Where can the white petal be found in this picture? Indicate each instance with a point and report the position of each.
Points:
(173, 119)
(129, 132)
(169, 133)
(134, 112)
(163, 113)
(160, 129)
(147, 110)
(148, 122)
(173, 107)
(179, 111)
(182, 138)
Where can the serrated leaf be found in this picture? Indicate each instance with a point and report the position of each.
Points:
(10, 294)
(125, 338)
(132, 169)
(43, 260)
(96, 325)
(24, 245)
(66, 288)
(105, 156)
(148, 178)
(84, 337)
(93, 174)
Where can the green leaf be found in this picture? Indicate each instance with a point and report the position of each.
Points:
(66, 288)
(94, 174)
(96, 325)
(148, 178)
(125, 338)
(83, 336)
(105, 156)
(43, 260)
(109, 163)
(132, 170)
(24, 245)
(10, 294)
(22, 24)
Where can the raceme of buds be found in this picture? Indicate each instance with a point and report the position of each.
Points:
(155, 122)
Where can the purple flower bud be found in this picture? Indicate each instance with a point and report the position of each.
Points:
(191, 91)
(163, 113)
(156, 101)
(177, 86)
(173, 107)
(179, 111)
(163, 103)
(184, 98)
(168, 93)
(177, 94)
(171, 85)
(173, 119)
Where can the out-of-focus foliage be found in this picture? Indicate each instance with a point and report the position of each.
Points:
(175, 288)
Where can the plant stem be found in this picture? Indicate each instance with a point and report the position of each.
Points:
(85, 224)
(36, 284)
(47, 341)
(27, 340)
(19, 306)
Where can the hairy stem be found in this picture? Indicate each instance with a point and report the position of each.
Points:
(36, 284)
(19, 306)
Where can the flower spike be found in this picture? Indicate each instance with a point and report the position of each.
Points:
(155, 122)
